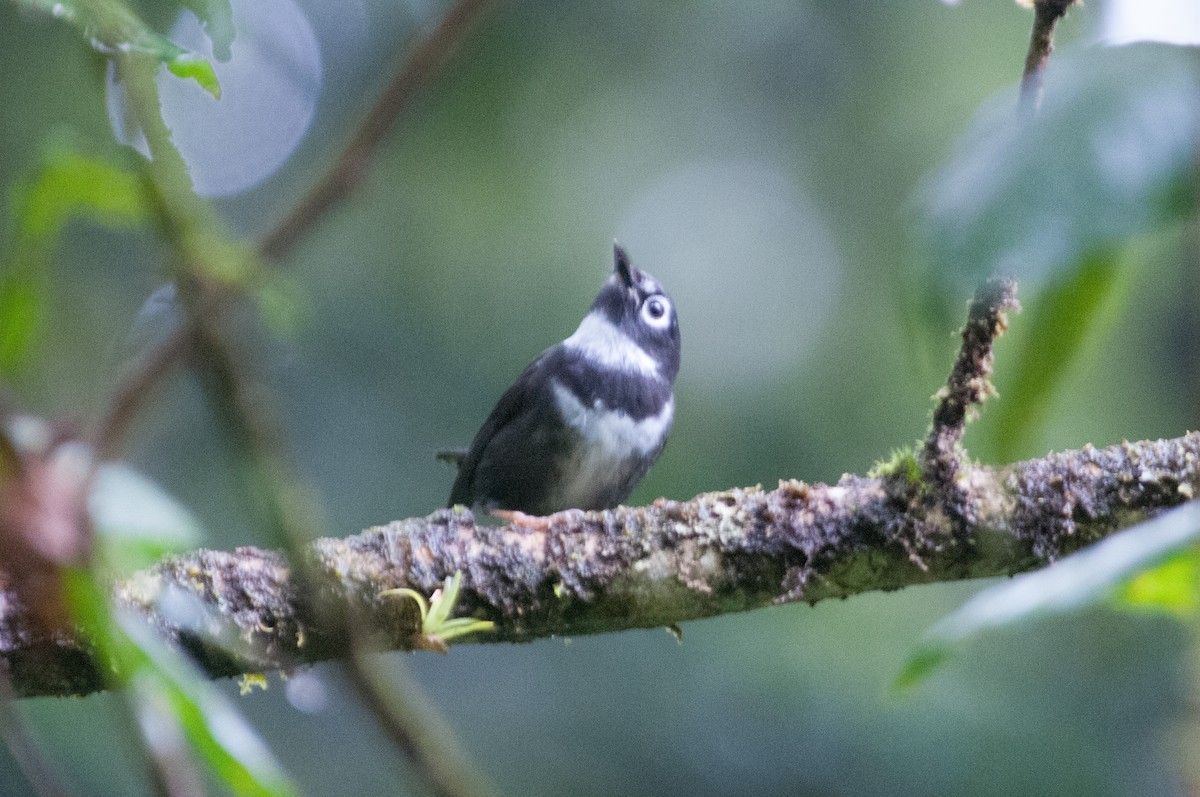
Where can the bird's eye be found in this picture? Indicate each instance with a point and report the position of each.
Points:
(656, 312)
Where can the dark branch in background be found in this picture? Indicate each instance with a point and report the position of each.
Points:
(135, 389)
(634, 567)
(348, 170)
(426, 57)
(293, 515)
(251, 428)
(414, 727)
(1047, 13)
(250, 424)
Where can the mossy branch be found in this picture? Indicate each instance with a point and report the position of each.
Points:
(634, 567)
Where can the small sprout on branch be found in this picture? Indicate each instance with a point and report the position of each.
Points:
(437, 626)
(250, 680)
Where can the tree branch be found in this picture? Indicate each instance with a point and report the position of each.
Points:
(943, 457)
(1047, 13)
(579, 572)
(631, 567)
(135, 389)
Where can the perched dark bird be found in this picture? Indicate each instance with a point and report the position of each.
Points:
(585, 420)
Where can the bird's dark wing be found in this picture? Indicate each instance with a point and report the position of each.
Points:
(517, 401)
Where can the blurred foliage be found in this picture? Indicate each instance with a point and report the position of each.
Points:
(767, 162)
(67, 183)
(1065, 316)
(111, 26)
(1109, 156)
(136, 521)
(1173, 586)
(179, 712)
(1127, 566)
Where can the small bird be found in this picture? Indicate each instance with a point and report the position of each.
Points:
(585, 420)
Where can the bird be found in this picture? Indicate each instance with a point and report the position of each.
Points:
(584, 421)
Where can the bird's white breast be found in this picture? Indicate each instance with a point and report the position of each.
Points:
(613, 442)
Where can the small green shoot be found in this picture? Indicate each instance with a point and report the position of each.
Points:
(437, 626)
(188, 65)
(250, 681)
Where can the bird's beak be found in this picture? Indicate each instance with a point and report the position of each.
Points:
(621, 265)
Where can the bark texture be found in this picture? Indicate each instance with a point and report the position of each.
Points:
(632, 567)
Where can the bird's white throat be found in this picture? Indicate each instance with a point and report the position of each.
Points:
(602, 342)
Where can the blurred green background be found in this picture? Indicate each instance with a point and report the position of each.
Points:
(761, 159)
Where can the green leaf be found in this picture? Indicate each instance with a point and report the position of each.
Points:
(1172, 587)
(174, 695)
(70, 183)
(920, 664)
(187, 65)
(1088, 578)
(1053, 198)
(1110, 155)
(214, 729)
(22, 307)
(66, 184)
(111, 27)
(137, 520)
(1056, 326)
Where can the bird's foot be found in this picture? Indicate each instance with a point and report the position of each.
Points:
(519, 518)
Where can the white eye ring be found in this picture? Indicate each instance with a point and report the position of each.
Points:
(656, 312)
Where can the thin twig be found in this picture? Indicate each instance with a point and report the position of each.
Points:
(250, 425)
(131, 394)
(347, 171)
(969, 383)
(252, 429)
(1047, 13)
(135, 389)
(413, 726)
(406, 722)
